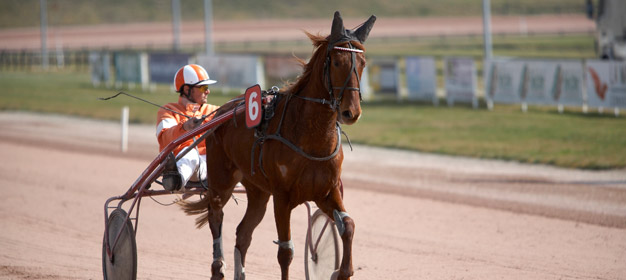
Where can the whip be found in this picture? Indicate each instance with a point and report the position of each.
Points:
(141, 99)
(165, 108)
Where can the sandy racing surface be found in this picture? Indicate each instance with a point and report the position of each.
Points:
(160, 34)
(418, 216)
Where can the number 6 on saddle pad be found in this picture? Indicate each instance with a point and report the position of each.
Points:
(253, 106)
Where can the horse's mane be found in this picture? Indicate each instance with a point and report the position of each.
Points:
(310, 74)
(313, 70)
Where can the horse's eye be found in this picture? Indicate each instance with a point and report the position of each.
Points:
(336, 63)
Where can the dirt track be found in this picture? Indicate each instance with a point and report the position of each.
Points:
(160, 34)
(418, 216)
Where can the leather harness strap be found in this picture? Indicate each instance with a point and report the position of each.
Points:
(334, 103)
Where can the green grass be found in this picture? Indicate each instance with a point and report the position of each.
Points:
(541, 135)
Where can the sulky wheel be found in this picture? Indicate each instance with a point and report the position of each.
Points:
(124, 262)
(325, 257)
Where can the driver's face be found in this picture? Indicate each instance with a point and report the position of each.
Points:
(200, 93)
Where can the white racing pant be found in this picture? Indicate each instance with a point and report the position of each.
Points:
(192, 167)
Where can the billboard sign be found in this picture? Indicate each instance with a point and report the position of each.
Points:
(606, 83)
(421, 78)
(503, 79)
(234, 71)
(460, 79)
(567, 87)
(100, 67)
(163, 66)
(131, 68)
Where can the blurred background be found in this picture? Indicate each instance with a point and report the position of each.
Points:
(496, 79)
(413, 27)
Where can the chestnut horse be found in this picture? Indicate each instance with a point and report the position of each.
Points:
(296, 158)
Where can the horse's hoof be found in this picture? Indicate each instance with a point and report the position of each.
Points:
(217, 270)
(335, 276)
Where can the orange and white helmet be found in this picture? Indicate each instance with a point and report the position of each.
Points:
(191, 74)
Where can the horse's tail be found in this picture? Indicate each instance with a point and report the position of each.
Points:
(200, 207)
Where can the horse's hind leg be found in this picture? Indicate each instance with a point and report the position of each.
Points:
(332, 205)
(257, 204)
(216, 217)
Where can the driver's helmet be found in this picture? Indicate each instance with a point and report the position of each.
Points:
(191, 74)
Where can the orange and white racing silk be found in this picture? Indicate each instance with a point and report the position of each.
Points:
(170, 125)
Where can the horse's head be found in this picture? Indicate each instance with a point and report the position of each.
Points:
(343, 67)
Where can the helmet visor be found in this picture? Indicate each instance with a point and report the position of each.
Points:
(205, 82)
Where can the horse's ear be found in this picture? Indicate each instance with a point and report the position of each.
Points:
(364, 31)
(337, 31)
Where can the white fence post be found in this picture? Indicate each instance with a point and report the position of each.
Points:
(124, 143)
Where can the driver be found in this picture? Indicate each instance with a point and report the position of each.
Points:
(191, 81)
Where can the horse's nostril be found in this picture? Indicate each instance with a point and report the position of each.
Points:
(347, 114)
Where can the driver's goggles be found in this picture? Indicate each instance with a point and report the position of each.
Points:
(203, 88)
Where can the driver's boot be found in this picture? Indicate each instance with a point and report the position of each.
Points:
(171, 178)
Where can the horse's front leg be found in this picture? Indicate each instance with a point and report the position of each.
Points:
(333, 207)
(282, 215)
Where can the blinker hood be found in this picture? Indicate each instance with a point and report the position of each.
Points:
(339, 34)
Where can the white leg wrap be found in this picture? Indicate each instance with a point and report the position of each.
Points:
(341, 227)
(240, 271)
(218, 253)
(285, 245)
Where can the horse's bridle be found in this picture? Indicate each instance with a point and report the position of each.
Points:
(335, 101)
(331, 89)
